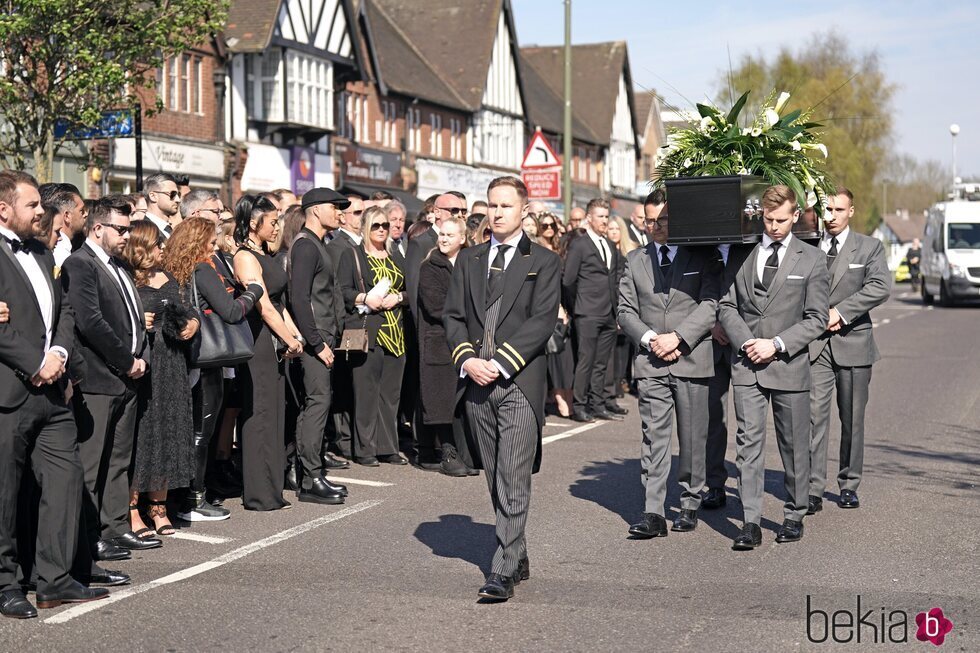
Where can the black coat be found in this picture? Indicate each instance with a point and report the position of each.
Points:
(589, 287)
(437, 376)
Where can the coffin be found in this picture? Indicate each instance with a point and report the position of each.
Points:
(715, 210)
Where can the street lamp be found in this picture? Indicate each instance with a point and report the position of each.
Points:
(954, 130)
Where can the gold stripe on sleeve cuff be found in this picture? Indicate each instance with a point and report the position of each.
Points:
(510, 348)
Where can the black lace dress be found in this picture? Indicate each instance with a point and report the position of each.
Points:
(164, 456)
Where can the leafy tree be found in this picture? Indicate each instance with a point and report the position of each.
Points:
(851, 99)
(74, 59)
(906, 183)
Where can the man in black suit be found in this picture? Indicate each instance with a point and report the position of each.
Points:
(163, 199)
(34, 418)
(590, 287)
(396, 213)
(500, 311)
(318, 310)
(111, 335)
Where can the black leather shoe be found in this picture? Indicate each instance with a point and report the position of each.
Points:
(108, 578)
(749, 538)
(133, 543)
(582, 416)
(649, 527)
(790, 531)
(451, 465)
(814, 505)
(849, 499)
(686, 521)
(336, 487)
(392, 459)
(616, 409)
(15, 605)
(292, 479)
(523, 571)
(714, 499)
(602, 413)
(497, 588)
(320, 493)
(367, 461)
(77, 593)
(332, 462)
(105, 550)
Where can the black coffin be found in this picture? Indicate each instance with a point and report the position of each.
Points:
(715, 210)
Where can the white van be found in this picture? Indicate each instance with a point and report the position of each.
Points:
(950, 265)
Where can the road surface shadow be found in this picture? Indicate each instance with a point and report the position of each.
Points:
(458, 536)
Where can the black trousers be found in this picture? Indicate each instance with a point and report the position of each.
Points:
(377, 389)
(106, 427)
(41, 430)
(340, 425)
(207, 400)
(312, 421)
(595, 338)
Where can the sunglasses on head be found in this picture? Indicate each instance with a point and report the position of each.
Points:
(380, 225)
(120, 229)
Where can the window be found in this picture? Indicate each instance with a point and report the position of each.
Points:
(199, 76)
(185, 83)
(386, 131)
(309, 81)
(171, 100)
(582, 167)
(435, 135)
(455, 138)
(413, 129)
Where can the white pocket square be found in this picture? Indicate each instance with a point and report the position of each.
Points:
(851, 266)
(794, 276)
(687, 274)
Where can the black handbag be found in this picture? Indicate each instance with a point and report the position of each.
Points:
(219, 344)
(556, 343)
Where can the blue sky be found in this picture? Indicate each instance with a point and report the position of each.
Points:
(931, 52)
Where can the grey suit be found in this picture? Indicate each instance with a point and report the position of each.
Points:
(685, 302)
(843, 359)
(794, 309)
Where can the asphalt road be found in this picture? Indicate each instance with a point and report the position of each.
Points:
(398, 567)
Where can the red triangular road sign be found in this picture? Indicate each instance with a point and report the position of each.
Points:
(539, 153)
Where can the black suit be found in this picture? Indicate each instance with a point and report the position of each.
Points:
(415, 252)
(511, 328)
(638, 236)
(589, 289)
(342, 405)
(36, 423)
(105, 409)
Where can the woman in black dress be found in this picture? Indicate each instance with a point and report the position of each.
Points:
(163, 456)
(263, 387)
(377, 374)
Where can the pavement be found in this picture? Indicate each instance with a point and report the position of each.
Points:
(398, 566)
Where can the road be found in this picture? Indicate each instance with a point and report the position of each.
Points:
(398, 567)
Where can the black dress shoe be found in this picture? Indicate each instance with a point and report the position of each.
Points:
(849, 499)
(133, 543)
(649, 527)
(616, 409)
(319, 492)
(392, 459)
(497, 588)
(108, 578)
(523, 571)
(292, 479)
(790, 531)
(814, 505)
(77, 593)
(714, 499)
(602, 413)
(367, 461)
(749, 538)
(15, 605)
(582, 416)
(104, 550)
(332, 462)
(686, 521)
(336, 487)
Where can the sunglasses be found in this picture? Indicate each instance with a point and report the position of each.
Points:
(173, 195)
(120, 229)
(547, 225)
(380, 225)
(361, 212)
(454, 211)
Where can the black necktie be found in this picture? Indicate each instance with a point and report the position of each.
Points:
(832, 254)
(664, 260)
(168, 230)
(496, 277)
(772, 264)
(133, 313)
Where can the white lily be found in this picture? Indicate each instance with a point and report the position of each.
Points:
(771, 117)
(817, 146)
(707, 124)
(796, 146)
(687, 163)
(746, 131)
(756, 132)
(811, 199)
(743, 171)
(781, 102)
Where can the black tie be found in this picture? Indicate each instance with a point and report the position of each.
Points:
(496, 277)
(832, 254)
(602, 253)
(772, 264)
(17, 245)
(133, 313)
(664, 260)
(168, 230)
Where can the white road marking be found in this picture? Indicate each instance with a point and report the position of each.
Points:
(195, 537)
(357, 481)
(231, 556)
(569, 433)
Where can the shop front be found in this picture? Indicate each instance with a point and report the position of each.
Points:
(437, 177)
(203, 164)
(364, 171)
(299, 169)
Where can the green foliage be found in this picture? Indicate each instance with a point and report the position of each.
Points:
(850, 98)
(781, 149)
(74, 59)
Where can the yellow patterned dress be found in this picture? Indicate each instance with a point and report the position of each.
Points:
(391, 335)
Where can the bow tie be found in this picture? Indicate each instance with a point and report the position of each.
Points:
(17, 245)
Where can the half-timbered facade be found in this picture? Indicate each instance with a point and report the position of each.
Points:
(499, 125)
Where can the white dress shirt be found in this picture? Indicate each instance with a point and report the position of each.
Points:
(841, 237)
(125, 284)
(603, 246)
(765, 250)
(62, 249)
(42, 292)
(671, 253)
(161, 224)
(355, 237)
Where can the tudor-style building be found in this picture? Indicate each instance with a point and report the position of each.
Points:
(287, 60)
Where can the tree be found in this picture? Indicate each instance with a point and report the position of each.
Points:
(73, 59)
(851, 99)
(913, 185)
